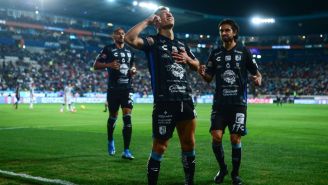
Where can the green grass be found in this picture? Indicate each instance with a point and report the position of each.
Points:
(285, 146)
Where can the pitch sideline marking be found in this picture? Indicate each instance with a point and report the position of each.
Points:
(40, 179)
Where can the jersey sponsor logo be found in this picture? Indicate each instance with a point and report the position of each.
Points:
(162, 130)
(177, 89)
(228, 58)
(177, 70)
(228, 65)
(229, 92)
(115, 54)
(122, 54)
(129, 54)
(164, 47)
(218, 59)
(238, 57)
(229, 76)
(237, 65)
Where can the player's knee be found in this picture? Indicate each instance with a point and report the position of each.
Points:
(216, 137)
(235, 139)
(188, 144)
(127, 120)
(159, 146)
(113, 114)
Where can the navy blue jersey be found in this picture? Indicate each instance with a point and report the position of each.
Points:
(230, 70)
(168, 78)
(117, 79)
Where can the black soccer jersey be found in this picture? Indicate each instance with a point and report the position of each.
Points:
(230, 70)
(168, 78)
(117, 79)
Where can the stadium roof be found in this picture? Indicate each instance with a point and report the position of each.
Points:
(196, 16)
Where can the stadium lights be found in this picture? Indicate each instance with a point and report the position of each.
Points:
(187, 35)
(135, 3)
(258, 20)
(148, 5)
(109, 24)
(36, 12)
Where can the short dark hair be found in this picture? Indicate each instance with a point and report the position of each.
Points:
(233, 24)
(159, 9)
(117, 29)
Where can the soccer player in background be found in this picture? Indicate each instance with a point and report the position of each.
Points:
(168, 59)
(68, 99)
(17, 96)
(31, 87)
(119, 62)
(229, 63)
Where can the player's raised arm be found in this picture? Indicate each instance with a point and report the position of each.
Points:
(132, 36)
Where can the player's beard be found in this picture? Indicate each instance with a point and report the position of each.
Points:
(227, 38)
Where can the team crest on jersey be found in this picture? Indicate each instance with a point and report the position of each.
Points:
(162, 130)
(238, 57)
(177, 70)
(228, 58)
(124, 69)
(229, 76)
(122, 54)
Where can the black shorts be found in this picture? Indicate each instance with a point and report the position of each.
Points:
(167, 114)
(116, 99)
(234, 117)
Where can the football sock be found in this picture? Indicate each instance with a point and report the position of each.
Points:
(127, 130)
(219, 154)
(189, 163)
(236, 158)
(153, 167)
(110, 127)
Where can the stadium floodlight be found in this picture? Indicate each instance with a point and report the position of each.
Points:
(258, 20)
(135, 3)
(110, 1)
(36, 11)
(109, 24)
(187, 35)
(148, 5)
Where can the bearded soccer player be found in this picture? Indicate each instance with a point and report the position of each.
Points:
(168, 59)
(230, 64)
(119, 62)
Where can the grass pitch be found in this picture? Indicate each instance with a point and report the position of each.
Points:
(285, 145)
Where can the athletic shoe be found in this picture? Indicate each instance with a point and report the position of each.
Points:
(111, 147)
(127, 155)
(218, 179)
(236, 180)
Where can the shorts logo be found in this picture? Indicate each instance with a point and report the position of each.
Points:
(240, 117)
(162, 130)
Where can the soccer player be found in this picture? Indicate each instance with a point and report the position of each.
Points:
(168, 59)
(229, 63)
(119, 62)
(32, 87)
(17, 96)
(68, 98)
